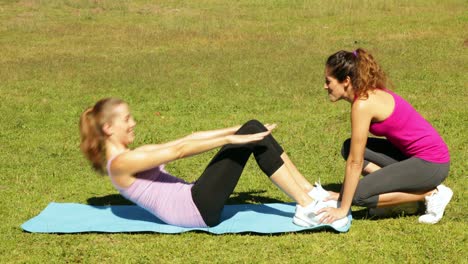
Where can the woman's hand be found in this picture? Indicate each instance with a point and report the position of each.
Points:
(331, 214)
(244, 139)
(270, 127)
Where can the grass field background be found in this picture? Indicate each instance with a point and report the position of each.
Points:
(196, 65)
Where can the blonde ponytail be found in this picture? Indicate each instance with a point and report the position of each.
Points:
(93, 138)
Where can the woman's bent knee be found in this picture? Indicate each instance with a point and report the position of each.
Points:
(254, 122)
(251, 127)
(364, 201)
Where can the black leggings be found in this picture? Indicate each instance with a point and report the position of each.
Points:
(398, 173)
(216, 184)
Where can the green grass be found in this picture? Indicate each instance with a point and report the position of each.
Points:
(209, 64)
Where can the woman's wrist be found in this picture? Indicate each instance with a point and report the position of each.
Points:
(344, 209)
(227, 139)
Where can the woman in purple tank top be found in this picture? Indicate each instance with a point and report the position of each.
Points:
(408, 165)
(107, 129)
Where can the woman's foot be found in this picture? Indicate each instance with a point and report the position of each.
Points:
(320, 194)
(307, 216)
(435, 205)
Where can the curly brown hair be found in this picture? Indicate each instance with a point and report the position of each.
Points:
(361, 67)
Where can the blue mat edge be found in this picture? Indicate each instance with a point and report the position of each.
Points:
(212, 230)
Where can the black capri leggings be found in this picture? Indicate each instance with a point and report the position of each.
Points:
(216, 184)
(398, 173)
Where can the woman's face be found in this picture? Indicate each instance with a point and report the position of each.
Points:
(122, 125)
(336, 90)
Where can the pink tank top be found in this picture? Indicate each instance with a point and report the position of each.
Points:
(411, 133)
(165, 196)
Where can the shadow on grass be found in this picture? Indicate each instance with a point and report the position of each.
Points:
(393, 212)
(111, 199)
(249, 233)
(334, 187)
(252, 197)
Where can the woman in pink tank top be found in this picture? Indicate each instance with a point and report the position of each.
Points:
(107, 129)
(407, 165)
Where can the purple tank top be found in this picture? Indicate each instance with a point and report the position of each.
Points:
(406, 129)
(165, 196)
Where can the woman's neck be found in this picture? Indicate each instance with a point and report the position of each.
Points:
(349, 95)
(113, 149)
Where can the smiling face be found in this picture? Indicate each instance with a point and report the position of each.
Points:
(338, 90)
(121, 127)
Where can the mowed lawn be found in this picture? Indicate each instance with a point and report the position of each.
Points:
(185, 66)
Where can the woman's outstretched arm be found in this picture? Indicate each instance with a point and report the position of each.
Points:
(210, 134)
(142, 159)
(222, 132)
(214, 133)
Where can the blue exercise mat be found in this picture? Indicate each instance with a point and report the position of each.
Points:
(242, 218)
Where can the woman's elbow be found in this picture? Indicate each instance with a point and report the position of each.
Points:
(184, 149)
(177, 151)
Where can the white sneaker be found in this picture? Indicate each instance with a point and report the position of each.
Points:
(318, 193)
(307, 216)
(435, 205)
